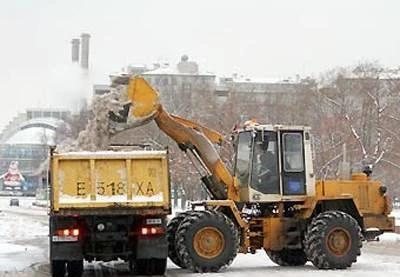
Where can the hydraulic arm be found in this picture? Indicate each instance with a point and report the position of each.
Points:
(145, 106)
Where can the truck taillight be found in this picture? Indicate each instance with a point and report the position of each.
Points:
(65, 235)
(145, 231)
(75, 232)
(67, 232)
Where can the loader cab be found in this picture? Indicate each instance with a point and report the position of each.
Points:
(274, 163)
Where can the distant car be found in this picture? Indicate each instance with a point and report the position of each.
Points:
(28, 193)
(6, 193)
(14, 202)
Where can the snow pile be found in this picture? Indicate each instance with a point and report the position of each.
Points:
(96, 135)
(389, 239)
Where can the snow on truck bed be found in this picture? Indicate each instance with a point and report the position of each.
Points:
(115, 154)
(67, 199)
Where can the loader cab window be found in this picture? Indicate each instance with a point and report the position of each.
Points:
(243, 150)
(265, 173)
(293, 163)
(293, 152)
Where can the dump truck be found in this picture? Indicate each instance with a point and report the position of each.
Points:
(106, 206)
(271, 199)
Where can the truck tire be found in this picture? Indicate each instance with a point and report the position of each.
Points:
(333, 240)
(288, 257)
(58, 268)
(172, 228)
(207, 241)
(150, 266)
(75, 268)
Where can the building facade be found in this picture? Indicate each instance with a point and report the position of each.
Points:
(26, 141)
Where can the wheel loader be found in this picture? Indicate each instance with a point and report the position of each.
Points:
(270, 201)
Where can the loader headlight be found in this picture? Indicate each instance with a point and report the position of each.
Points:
(100, 227)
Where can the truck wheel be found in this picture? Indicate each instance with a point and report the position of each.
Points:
(288, 257)
(172, 228)
(159, 266)
(150, 266)
(207, 241)
(57, 268)
(333, 240)
(75, 268)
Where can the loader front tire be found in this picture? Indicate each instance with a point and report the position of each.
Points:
(207, 241)
(172, 228)
(288, 257)
(333, 240)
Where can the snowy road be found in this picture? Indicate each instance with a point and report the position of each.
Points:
(24, 252)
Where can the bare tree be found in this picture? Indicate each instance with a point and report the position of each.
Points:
(363, 103)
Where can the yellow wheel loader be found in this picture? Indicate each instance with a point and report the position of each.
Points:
(270, 201)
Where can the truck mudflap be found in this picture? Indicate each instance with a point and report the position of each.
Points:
(152, 247)
(66, 251)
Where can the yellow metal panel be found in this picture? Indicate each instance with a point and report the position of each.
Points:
(92, 184)
(111, 179)
(129, 178)
(72, 179)
(273, 229)
(147, 179)
(144, 98)
(94, 180)
(384, 223)
(365, 193)
(166, 181)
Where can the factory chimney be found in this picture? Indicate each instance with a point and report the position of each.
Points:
(75, 49)
(85, 50)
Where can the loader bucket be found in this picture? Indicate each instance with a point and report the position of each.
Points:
(142, 106)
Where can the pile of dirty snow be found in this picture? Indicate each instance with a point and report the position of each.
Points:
(96, 135)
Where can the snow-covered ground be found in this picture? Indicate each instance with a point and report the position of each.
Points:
(23, 234)
(24, 249)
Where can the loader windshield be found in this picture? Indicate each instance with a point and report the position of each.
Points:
(244, 146)
(265, 176)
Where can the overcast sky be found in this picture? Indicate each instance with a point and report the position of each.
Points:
(256, 38)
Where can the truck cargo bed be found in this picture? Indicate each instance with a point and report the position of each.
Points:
(122, 180)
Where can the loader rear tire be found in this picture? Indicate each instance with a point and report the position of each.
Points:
(172, 228)
(207, 241)
(288, 257)
(333, 240)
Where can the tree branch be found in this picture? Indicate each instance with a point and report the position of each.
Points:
(329, 162)
(391, 163)
(355, 134)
